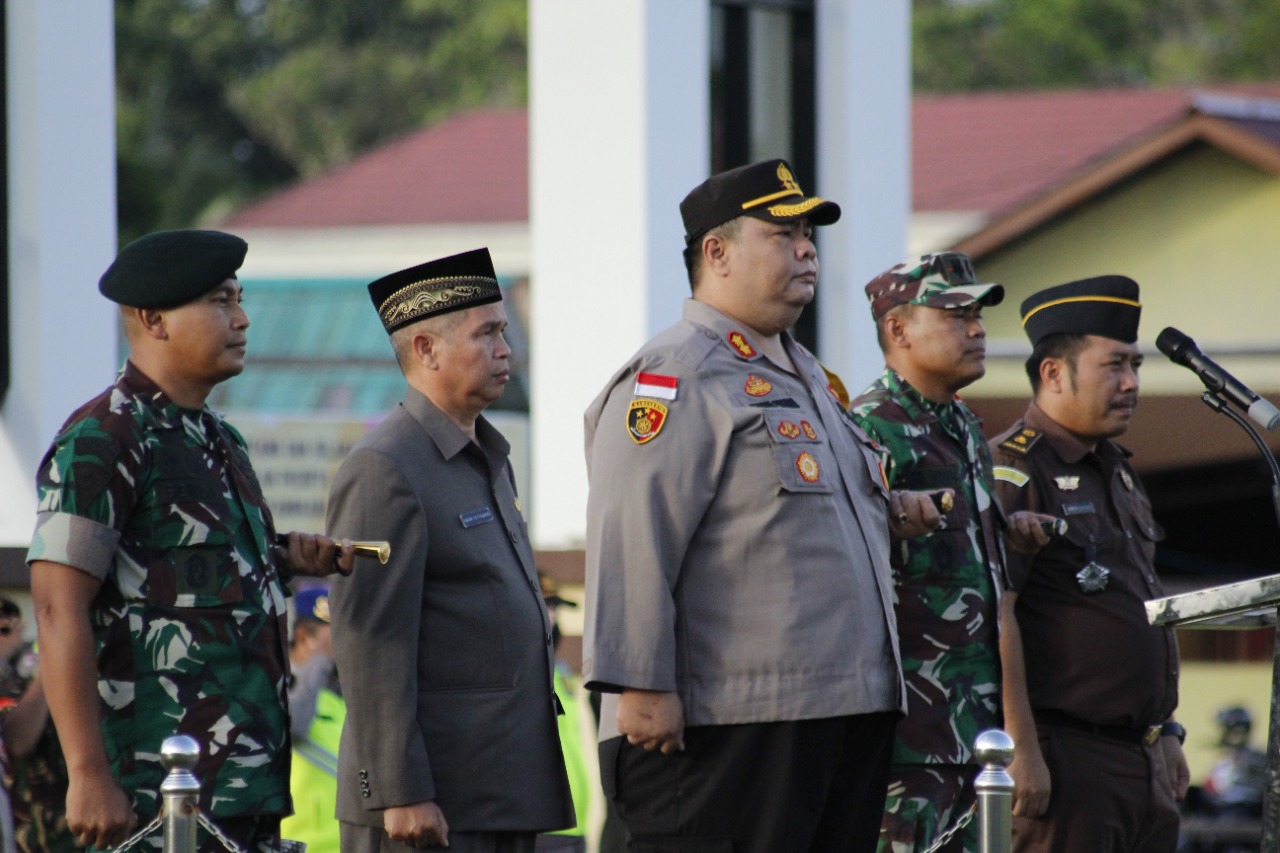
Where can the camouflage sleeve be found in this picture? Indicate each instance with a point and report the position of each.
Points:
(83, 492)
(892, 441)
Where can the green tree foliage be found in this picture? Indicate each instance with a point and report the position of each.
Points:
(965, 45)
(220, 100)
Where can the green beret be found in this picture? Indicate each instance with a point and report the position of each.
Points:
(169, 268)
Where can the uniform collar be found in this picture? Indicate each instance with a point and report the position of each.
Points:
(153, 405)
(917, 406)
(740, 338)
(1069, 448)
(448, 438)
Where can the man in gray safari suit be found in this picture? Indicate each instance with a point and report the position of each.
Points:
(445, 652)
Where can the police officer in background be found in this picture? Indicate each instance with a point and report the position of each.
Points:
(739, 611)
(1100, 765)
(928, 315)
(158, 583)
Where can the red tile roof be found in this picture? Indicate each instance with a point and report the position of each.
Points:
(985, 152)
(472, 168)
(990, 152)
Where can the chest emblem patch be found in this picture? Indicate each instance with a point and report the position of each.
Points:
(757, 387)
(808, 467)
(645, 419)
(809, 432)
(1067, 483)
(741, 345)
(787, 429)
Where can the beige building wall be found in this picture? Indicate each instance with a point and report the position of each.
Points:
(1198, 233)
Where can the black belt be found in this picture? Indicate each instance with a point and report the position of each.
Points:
(1143, 737)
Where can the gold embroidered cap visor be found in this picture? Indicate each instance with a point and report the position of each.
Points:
(1106, 305)
(434, 288)
(766, 190)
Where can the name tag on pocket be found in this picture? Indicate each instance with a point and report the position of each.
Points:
(476, 517)
(1082, 508)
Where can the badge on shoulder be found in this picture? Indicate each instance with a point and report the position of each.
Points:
(645, 419)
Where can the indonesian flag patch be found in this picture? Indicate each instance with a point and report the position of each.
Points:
(656, 385)
(645, 419)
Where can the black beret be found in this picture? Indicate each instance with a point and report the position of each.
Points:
(168, 268)
(766, 190)
(434, 288)
(1106, 305)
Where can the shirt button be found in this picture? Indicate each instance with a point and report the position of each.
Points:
(515, 537)
(548, 639)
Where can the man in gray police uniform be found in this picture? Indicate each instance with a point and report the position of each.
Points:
(739, 601)
(445, 652)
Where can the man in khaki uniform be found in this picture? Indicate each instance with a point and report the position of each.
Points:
(739, 603)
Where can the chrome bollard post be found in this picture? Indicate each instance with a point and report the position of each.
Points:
(180, 790)
(994, 749)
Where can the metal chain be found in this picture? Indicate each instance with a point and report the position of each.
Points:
(155, 824)
(217, 833)
(139, 835)
(945, 838)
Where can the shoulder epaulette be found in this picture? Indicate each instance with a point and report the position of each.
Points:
(1022, 440)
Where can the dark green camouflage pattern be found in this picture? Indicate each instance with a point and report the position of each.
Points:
(37, 783)
(945, 584)
(190, 619)
(941, 280)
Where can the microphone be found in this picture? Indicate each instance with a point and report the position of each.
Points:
(1182, 350)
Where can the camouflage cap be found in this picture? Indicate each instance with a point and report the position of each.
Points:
(766, 190)
(940, 280)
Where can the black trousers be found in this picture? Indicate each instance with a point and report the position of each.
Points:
(807, 786)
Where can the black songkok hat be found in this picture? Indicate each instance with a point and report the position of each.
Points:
(1106, 305)
(168, 268)
(766, 190)
(434, 288)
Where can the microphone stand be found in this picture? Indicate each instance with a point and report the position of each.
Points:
(1271, 798)
(1219, 405)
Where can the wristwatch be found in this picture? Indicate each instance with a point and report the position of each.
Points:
(1174, 730)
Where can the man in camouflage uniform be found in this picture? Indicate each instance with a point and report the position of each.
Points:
(35, 770)
(155, 556)
(928, 314)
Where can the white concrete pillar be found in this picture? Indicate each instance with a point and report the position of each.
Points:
(62, 230)
(619, 132)
(864, 163)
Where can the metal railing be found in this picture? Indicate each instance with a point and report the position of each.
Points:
(994, 805)
(180, 793)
